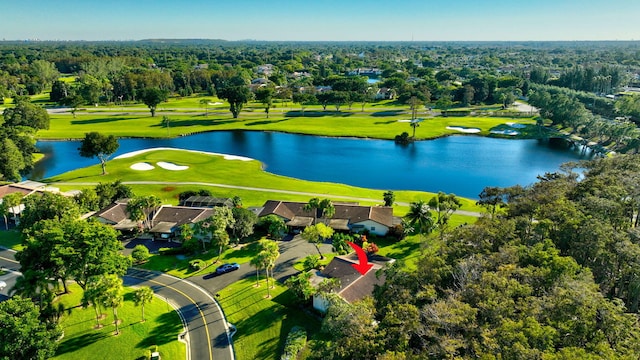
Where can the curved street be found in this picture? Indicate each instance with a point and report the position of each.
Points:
(207, 334)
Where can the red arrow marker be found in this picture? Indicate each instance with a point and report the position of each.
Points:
(364, 265)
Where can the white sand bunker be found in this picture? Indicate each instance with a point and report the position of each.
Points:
(404, 120)
(171, 166)
(516, 125)
(505, 132)
(464, 130)
(142, 166)
(225, 156)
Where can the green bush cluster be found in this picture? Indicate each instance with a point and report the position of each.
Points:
(296, 341)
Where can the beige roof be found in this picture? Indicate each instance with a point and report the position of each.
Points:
(181, 214)
(163, 227)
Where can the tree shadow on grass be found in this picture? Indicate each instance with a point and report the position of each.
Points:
(314, 113)
(165, 331)
(388, 113)
(95, 121)
(78, 342)
(260, 321)
(265, 122)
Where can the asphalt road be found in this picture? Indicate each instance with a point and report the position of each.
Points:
(207, 333)
(9, 264)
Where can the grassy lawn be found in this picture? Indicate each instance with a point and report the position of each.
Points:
(82, 341)
(263, 324)
(10, 239)
(179, 265)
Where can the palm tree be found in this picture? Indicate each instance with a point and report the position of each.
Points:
(112, 296)
(258, 261)
(141, 296)
(419, 217)
(271, 252)
(327, 209)
(313, 205)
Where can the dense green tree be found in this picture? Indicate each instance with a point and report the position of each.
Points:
(47, 206)
(233, 88)
(25, 336)
(274, 225)
(304, 99)
(110, 192)
(265, 96)
(152, 97)
(245, 221)
(389, 198)
(97, 145)
(140, 254)
(316, 234)
(214, 229)
(300, 286)
(11, 161)
(444, 205)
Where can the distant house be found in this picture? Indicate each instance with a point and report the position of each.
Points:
(385, 94)
(321, 89)
(353, 285)
(348, 217)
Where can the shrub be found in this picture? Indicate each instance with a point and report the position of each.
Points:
(311, 262)
(140, 254)
(197, 264)
(296, 341)
(397, 231)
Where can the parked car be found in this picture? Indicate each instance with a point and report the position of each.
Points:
(225, 268)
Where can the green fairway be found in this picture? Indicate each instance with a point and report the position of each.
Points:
(262, 323)
(83, 341)
(187, 116)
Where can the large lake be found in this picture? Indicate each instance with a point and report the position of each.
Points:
(463, 165)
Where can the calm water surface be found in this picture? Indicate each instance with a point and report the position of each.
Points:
(463, 165)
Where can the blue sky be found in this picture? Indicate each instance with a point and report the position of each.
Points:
(319, 20)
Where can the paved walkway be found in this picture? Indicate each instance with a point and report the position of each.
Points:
(249, 188)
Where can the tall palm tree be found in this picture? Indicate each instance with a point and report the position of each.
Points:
(258, 261)
(312, 206)
(419, 217)
(141, 296)
(327, 209)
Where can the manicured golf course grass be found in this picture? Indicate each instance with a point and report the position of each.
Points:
(82, 341)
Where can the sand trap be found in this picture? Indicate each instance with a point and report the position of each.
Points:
(505, 132)
(171, 166)
(142, 166)
(516, 125)
(225, 156)
(464, 130)
(215, 103)
(404, 120)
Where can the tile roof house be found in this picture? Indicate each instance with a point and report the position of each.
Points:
(166, 221)
(353, 285)
(348, 217)
(25, 188)
(117, 216)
